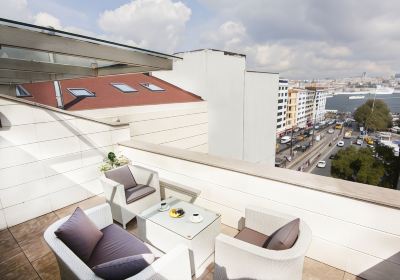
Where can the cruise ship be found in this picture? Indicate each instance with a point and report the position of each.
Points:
(358, 91)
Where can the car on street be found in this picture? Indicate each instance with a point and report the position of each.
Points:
(317, 127)
(331, 131)
(321, 164)
(359, 142)
(280, 162)
(340, 144)
(285, 139)
(332, 156)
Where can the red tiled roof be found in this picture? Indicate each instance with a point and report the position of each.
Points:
(107, 96)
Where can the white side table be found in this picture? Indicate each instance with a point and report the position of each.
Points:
(164, 232)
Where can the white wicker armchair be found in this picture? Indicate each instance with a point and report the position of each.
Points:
(236, 259)
(173, 265)
(122, 211)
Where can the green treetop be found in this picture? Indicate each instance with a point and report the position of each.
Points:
(357, 165)
(373, 116)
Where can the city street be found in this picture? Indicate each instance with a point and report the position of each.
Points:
(326, 171)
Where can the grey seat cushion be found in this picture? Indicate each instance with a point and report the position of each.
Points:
(116, 243)
(138, 192)
(285, 237)
(251, 236)
(124, 267)
(122, 175)
(80, 234)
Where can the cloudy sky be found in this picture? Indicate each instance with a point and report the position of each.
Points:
(298, 38)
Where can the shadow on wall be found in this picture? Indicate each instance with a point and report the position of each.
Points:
(4, 122)
(388, 269)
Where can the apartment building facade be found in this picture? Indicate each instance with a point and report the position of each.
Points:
(296, 110)
(282, 106)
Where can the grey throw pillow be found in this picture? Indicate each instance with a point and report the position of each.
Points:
(285, 237)
(122, 175)
(124, 267)
(80, 234)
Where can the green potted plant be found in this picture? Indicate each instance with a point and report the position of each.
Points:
(112, 161)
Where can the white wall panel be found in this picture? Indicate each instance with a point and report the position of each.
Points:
(189, 142)
(67, 196)
(17, 155)
(17, 135)
(20, 174)
(173, 134)
(149, 126)
(49, 159)
(3, 223)
(28, 210)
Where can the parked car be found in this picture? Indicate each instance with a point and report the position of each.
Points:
(340, 144)
(332, 156)
(317, 127)
(321, 164)
(280, 162)
(285, 139)
(331, 131)
(359, 142)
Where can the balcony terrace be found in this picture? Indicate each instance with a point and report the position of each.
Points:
(49, 165)
(25, 254)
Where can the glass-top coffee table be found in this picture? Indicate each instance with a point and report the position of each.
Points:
(163, 232)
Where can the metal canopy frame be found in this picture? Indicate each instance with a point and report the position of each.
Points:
(67, 55)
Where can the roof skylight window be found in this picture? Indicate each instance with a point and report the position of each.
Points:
(81, 92)
(151, 87)
(22, 92)
(124, 87)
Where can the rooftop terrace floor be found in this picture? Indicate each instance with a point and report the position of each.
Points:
(25, 255)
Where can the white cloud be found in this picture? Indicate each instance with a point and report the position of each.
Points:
(45, 19)
(155, 24)
(15, 9)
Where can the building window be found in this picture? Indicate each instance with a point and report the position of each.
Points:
(151, 87)
(22, 92)
(81, 92)
(280, 114)
(279, 126)
(280, 107)
(124, 87)
(280, 101)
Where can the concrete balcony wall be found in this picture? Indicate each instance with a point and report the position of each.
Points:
(49, 159)
(183, 125)
(353, 235)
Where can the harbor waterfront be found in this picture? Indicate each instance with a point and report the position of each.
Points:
(342, 103)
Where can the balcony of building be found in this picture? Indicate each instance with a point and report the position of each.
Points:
(49, 165)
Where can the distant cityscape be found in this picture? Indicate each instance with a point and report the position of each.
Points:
(315, 120)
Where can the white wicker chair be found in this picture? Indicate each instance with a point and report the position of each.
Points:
(236, 259)
(173, 265)
(114, 192)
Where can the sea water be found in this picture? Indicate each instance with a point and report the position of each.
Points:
(342, 103)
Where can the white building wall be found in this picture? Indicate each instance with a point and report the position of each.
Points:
(301, 118)
(183, 125)
(218, 78)
(282, 106)
(48, 159)
(260, 93)
(349, 234)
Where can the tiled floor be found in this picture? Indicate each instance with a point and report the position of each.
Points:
(25, 255)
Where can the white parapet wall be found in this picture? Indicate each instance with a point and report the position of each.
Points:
(182, 125)
(355, 227)
(49, 158)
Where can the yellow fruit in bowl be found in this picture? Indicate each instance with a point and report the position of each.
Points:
(176, 212)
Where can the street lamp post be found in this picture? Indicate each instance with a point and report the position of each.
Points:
(315, 115)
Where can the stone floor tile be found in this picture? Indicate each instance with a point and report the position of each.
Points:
(33, 228)
(13, 263)
(25, 271)
(35, 248)
(8, 246)
(47, 267)
(315, 270)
